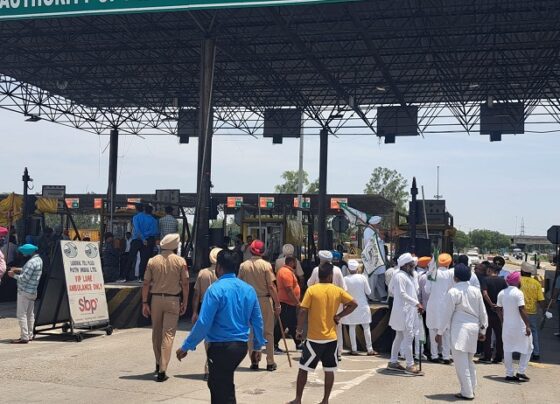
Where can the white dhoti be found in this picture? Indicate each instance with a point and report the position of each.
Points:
(466, 372)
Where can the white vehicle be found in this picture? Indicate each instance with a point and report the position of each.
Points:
(474, 258)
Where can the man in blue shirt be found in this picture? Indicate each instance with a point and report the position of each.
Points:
(229, 309)
(145, 229)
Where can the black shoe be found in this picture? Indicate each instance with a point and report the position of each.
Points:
(254, 366)
(496, 361)
(271, 368)
(522, 377)
(485, 361)
(157, 369)
(462, 397)
(161, 377)
(446, 361)
(535, 358)
(512, 379)
(437, 360)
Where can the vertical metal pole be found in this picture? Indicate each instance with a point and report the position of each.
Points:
(412, 216)
(201, 225)
(25, 180)
(112, 182)
(322, 216)
(300, 179)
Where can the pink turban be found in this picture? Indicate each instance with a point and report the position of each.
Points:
(513, 279)
(3, 231)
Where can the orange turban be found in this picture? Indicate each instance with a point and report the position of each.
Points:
(444, 260)
(424, 261)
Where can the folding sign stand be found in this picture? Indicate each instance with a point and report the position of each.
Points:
(73, 298)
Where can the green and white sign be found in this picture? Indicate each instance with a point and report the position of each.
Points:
(19, 9)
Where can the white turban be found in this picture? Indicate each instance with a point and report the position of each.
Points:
(353, 265)
(288, 249)
(325, 255)
(374, 220)
(404, 259)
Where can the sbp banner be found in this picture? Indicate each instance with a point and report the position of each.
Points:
(17, 9)
(84, 283)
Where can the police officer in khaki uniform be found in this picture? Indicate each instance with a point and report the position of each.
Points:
(205, 278)
(258, 273)
(166, 279)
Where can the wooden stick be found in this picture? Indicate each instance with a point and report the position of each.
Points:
(284, 339)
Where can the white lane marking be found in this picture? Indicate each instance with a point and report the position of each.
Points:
(355, 382)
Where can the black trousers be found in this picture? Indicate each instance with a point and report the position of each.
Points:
(146, 253)
(135, 246)
(494, 324)
(223, 359)
(288, 315)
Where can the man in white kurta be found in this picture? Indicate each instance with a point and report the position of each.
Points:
(465, 316)
(516, 330)
(376, 278)
(338, 280)
(404, 315)
(358, 287)
(437, 285)
(420, 336)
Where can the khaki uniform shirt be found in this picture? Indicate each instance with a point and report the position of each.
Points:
(280, 262)
(166, 272)
(205, 278)
(257, 273)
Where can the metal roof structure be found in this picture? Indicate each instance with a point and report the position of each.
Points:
(336, 61)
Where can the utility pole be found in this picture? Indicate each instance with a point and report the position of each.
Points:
(437, 196)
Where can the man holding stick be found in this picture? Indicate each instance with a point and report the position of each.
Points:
(289, 295)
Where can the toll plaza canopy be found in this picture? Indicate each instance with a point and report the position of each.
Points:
(133, 64)
(202, 67)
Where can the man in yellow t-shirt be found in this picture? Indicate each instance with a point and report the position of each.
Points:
(319, 305)
(532, 291)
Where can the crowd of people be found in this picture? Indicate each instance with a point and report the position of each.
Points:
(440, 310)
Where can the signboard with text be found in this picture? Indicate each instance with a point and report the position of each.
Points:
(72, 203)
(266, 202)
(19, 9)
(97, 203)
(337, 203)
(234, 201)
(84, 283)
(53, 191)
(131, 202)
(305, 202)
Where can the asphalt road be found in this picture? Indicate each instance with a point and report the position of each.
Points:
(117, 369)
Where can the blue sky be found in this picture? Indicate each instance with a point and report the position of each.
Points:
(486, 185)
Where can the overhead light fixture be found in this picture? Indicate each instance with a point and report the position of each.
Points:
(33, 118)
(380, 89)
(61, 84)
